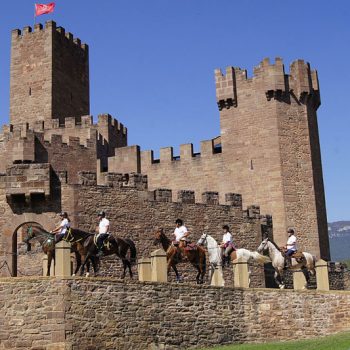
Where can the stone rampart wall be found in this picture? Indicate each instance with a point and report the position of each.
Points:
(110, 314)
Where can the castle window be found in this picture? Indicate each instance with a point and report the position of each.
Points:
(30, 91)
(251, 165)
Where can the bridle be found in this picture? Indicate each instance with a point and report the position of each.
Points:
(264, 246)
(203, 240)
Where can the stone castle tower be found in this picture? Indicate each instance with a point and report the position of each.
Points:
(268, 149)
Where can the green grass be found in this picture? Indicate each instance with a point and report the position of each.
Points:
(347, 262)
(339, 341)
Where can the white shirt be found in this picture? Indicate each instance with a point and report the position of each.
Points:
(292, 243)
(180, 232)
(227, 238)
(103, 226)
(65, 225)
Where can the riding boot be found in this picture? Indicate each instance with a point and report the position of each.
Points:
(224, 258)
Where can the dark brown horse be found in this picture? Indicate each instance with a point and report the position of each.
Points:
(47, 242)
(115, 245)
(175, 255)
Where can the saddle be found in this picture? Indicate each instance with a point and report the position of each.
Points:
(298, 256)
(191, 246)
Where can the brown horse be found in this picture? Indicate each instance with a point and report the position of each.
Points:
(115, 245)
(175, 255)
(47, 242)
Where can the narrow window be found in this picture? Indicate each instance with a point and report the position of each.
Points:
(251, 165)
(30, 91)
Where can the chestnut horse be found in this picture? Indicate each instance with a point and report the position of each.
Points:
(176, 254)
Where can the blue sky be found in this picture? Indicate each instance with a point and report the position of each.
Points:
(152, 64)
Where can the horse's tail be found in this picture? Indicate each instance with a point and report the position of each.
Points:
(261, 259)
(132, 250)
(204, 263)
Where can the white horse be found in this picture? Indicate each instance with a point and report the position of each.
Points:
(215, 258)
(306, 264)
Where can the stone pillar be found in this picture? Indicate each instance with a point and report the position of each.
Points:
(241, 273)
(218, 278)
(52, 267)
(322, 278)
(159, 266)
(299, 280)
(63, 261)
(144, 269)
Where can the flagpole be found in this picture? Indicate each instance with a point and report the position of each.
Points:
(34, 16)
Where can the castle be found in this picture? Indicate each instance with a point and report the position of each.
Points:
(53, 156)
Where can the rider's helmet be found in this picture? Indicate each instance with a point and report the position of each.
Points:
(102, 214)
(291, 231)
(63, 214)
(179, 221)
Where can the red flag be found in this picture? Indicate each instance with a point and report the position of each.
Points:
(43, 9)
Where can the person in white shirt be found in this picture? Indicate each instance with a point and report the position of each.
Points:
(180, 232)
(61, 230)
(291, 246)
(227, 245)
(103, 231)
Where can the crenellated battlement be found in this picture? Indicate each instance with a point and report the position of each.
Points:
(269, 78)
(50, 27)
(106, 120)
(140, 182)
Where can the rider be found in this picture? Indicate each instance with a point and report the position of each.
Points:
(103, 231)
(61, 230)
(180, 232)
(226, 245)
(291, 247)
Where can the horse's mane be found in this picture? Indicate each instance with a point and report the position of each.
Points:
(80, 232)
(276, 246)
(212, 239)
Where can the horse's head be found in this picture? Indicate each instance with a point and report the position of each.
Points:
(264, 246)
(30, 234)
(203, 239)
(158, 236)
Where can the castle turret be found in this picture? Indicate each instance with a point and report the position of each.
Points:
(49, 75)
(270, 144)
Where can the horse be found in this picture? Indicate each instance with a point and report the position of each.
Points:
(115, 245)
(47, 242)
(215, 254)
(306, 264)
(175, 255)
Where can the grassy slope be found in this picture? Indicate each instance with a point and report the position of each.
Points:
(340, 341)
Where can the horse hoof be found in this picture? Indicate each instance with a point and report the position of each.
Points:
(73, 275)
(281, 286)
(87, 274)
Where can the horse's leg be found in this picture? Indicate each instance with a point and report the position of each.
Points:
(307, 276)
(49, 260)
(211, 272)
(178, 277)
(87, 257)
(78, 262)
(279, 279)
(124, 268)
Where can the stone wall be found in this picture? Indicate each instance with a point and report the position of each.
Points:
(110, 314)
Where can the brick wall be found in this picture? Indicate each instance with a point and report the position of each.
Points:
(104, 313)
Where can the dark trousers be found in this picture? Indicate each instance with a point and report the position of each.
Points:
(100, 239)
(59, 237)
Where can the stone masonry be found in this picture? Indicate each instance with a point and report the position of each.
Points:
(96, 314)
